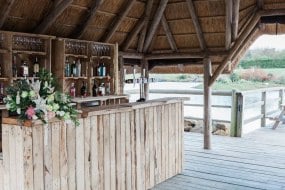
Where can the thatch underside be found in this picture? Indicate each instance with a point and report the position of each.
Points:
(220, 29)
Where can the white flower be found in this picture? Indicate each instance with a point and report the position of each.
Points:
(60, 113)
(36, 86)
(34, 117)
(41, 104)
(8, 106)
(18, 98)
(18, 110)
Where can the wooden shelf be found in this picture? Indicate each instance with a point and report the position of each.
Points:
(101, 57)
(100, 77)
(75, 78)
(22, 78)
(77, 56)
(3, 51)
(4, 78)
(29, 52)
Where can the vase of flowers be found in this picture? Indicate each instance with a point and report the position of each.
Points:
(38, 99)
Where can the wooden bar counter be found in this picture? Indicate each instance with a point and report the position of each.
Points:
(128, 146)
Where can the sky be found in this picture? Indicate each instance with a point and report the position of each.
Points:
(269, 41)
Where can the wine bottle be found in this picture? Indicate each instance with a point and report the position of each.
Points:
(94, 89)
(36, 67)
(14, 67)
(103, 70)
(67, 68)
(73, 69)
(72, 90)
(25, 69)
(78, 68)
(83, 90)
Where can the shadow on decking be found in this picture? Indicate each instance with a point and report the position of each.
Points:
(256, 161)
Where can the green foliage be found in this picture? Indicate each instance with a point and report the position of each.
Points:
(234, 77)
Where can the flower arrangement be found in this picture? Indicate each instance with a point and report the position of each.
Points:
(39, 100)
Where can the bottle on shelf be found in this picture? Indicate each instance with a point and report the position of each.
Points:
(94, 89)
(36, 67)
(14, 67)
(67, 68)
(73, 69)
(2, 93)
(78, 68)
(99, 69)
(101, 90)
(24, 69)
(72, 90)
(83, 90)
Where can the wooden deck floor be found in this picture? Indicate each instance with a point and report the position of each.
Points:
(256, 161)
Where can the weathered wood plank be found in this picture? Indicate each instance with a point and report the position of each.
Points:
(55, 151)
(128, 156)
(19, 158)
(87, 177)
(38, 156)
(123, 150)
(142, 145)
(79, 161)
(107, 157)
(112, 137)
(151, 146)
(48, 171)
(12, 157)
(6, 156)
(118, 151)
(71, 156)
(94, 146)
(63, 157)
(28, 158)
(133, 149)
(101, 151)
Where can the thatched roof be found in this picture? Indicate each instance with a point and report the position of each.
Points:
(183, 31)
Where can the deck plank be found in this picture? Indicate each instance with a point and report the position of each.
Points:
(256, 161)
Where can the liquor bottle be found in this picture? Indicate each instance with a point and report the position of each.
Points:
(83, 90)
(108, 87)
(72, 90)
(73, 69)
(36, 67)
(14, 67)
(67, 68)
(101, 90)
(99, 70)
(2, 93)
(24, 69)
(78, 68)
(103, 70)
(94, 89)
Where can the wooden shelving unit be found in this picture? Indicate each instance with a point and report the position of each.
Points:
(87, 52)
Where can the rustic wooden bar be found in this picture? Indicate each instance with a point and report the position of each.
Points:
(128, 146)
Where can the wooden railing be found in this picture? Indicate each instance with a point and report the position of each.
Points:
(259, 101)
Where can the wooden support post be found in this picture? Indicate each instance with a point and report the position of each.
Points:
(122, 75)
(263, 109)
(233, 132)
(229, 13)
(235, 19)
(144, 65)
(240, 110)
(207, 104)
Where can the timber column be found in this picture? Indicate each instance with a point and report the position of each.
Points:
(207, 104)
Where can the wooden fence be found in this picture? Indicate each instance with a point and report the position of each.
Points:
(132, 147)
(241, 102)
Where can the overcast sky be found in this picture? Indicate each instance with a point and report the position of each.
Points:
(269, 41)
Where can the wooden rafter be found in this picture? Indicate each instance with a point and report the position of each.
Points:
(88, 19)
(168, 33)
(52, 16)
(260, 4)
(6, 9)
(235, 47)
(229, 13)
(196, 23)
(133, 34)
(235, 19)
(154, 25)
(148, 9)
(116, 23)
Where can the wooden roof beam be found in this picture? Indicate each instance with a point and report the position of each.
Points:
(133, 34)
(6, 9)
(52, 16)
(168, 33)
(229, 13)
(260, 4)
(116, 23)
(154, 25)
(235, 19)
(196, 23)
(88, 19)
(148, 9)
(235, 47)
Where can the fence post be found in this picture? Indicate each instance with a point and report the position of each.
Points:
(237, 114)
(233, 114)
(263, 109)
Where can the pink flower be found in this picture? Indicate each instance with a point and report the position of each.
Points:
(50, 114)
(30, 112)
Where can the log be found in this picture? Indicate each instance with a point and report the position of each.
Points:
(196, 23)
(168, 33)
(154, 25)
(207, 104)
(116, 23)
(52, 16)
